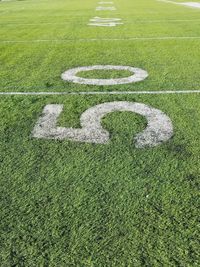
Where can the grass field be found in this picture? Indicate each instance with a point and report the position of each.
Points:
(67, 203)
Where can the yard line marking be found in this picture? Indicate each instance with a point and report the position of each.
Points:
(163, 20)
(187, 4)
(104, 39)
(171, 2)
(102, 93)
(191, 4)
(159, 126)
(69, 22)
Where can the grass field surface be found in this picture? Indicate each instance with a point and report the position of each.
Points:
(66, 203)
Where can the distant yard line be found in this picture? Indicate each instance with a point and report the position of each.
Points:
(187, 4)
(69, 22)
(171, 2)
(104, 39)
(102, 93)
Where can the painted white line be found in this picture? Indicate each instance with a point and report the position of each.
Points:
(102, 93)
(164, 20)
(137, 75)
(187, 4)
(168, 1)
(191, 4)
(69, 22)
(159, 126)
(103, 39)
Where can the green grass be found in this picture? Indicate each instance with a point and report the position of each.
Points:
(104, 74)
(67, 203)
(38, 66)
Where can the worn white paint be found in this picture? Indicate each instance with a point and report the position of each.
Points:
(159, 127)
(189, 4)
(105, 8)
(71, 75)
(171, 2)
(141, 39)
(99, 19)
(105, 22)
(167, 92)
(130, 21)
(105, 3)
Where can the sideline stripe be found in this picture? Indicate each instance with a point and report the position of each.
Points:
(102, 93)
(104, 39)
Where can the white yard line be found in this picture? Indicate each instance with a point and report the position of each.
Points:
(186, 4)
(102, 93)
(70, 22)
(191, 4)
(104, 39)
(171, 2)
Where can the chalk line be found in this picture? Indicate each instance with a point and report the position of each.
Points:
(104, 39)
(102, 93)
(187, 4)
(70, 22)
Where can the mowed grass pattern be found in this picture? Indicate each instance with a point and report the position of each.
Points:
(67, 203)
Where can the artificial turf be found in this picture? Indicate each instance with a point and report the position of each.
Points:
(67, 203)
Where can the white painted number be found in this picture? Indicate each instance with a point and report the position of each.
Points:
(138, 75)
(105, 3)
(110, 8)
(105, 22)
(159, 128)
